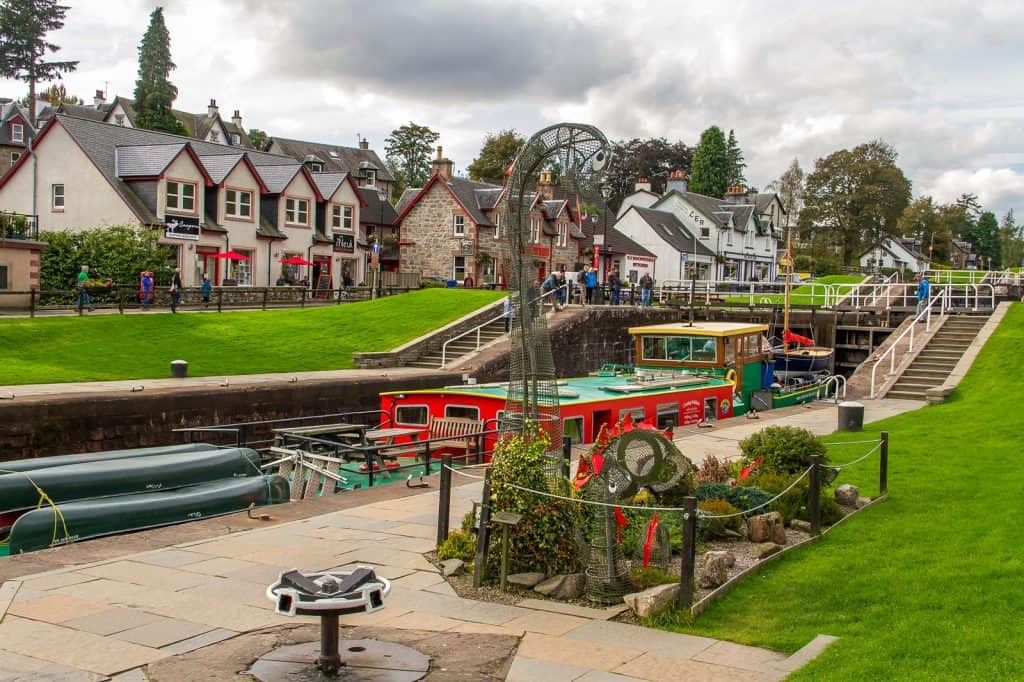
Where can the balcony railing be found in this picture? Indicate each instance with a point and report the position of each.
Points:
(18, 226)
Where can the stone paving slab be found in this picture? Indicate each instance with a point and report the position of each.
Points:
(670, 644)
(740, 656)
(16, 668)
(111, 620)
(162, 632)
(55, 608)
(199, 641)
(526, 669)
(595, 656)
(148, 575)
(572, 609)
(546, 622)
(171, 558)
(658, 668)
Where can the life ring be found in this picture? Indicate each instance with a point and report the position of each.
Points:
(731, 376)
(725, 406)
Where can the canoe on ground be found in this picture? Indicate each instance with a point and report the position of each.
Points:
(83, 457)
(39, 529)
(119, 477)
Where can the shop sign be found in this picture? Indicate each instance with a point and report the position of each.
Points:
(344, 243)
(182, 228)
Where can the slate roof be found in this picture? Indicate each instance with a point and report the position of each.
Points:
(378, 210)
(81, 111)
(328, 183)
(335, 157)
(144, 160)
(406, 198)
(620, 243)
(7, 111)
(469, 193)
(218, 167)
(667, 226)
(277, 177)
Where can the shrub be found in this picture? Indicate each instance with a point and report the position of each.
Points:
(719, 528)
(712, 470)
(458, 545)
(117, 253)
(793, 505)
(782, 449)
(743, 498)
(643, 578)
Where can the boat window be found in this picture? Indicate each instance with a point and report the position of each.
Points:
(731, 343)
(462, 411)
(678, 347)
(654, 348)
(638, 414)
(573, 428)
(668, 415)
(412, 415)
(752, 345)
(705, 350)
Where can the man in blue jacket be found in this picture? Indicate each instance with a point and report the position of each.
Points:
(923, 292)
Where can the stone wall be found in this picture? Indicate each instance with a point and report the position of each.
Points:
(51, 426)
(428, 241)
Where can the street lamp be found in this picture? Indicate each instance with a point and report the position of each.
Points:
(606, 192)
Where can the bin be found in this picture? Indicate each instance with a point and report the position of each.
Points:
(851, 416)
(179, 369)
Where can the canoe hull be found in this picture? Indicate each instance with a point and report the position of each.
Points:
(85, 457)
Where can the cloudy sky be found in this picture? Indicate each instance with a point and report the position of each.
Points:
(940, 81)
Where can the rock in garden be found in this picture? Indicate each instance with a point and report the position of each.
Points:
(847, 495)
(653, 600)
(802, 526)
(862, 502)
(713, 569)
(728, 557)
(525, 580)
(766, 528)
(766, 549)
(450, 567)
(563, 586)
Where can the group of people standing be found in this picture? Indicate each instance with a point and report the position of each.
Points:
(588, 282)
(147, 289)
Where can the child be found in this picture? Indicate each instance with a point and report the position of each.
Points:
(206, 289)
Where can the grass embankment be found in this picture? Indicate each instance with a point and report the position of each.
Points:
(928, 584)
(108, 347)
(804, 294)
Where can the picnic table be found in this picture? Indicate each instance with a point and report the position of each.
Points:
(331, 432)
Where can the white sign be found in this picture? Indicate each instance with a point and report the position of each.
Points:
(598, 240)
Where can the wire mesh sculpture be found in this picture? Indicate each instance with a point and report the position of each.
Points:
(580, 154)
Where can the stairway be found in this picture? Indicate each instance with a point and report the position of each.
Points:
(934, 363)
(464, 346)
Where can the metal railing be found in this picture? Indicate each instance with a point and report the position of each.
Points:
(714, 291)
(479, 328)
(924, 315)
(19, 226)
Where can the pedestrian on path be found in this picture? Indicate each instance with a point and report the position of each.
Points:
(508, 313)
(615, 284)
(175, 289)
(923, 291)
(147, 288)
(206, 289)
(591, 283)
(646, 286)
(83, 289)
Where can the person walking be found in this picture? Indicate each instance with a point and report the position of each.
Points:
(175, 289)
(551, 285)
(615, 284)
(646, 286)
(923, 291)
(206, 290)
(590, 282)
(147, 288)
(82, 284)
(508, 314)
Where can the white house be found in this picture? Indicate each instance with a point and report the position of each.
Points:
(677, 254)
(895, 254)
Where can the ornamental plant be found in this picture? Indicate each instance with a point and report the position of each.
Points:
(782, 449)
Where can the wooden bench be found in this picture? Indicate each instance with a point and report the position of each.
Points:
(459, 433)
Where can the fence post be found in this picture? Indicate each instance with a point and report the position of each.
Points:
(302, 298)
(32, 303)
(220, 299)
(241, 436)
(566, 457)
(814, 495)
(120, 301)
(337, 301)
(445, 502)
(689, 556)
(266, 290)
(883, 467)
(482, 534)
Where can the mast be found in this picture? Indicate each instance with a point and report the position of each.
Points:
(787, 262)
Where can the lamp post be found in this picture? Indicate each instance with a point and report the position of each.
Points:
(606, 192)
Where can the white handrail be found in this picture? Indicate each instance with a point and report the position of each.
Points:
(478, 328)
(840, 383)
(926, 315)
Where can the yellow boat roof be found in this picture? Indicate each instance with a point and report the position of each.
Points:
(701, 329)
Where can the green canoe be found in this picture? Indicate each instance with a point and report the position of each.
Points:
(84, 457)
(39, 529)
(118, 477)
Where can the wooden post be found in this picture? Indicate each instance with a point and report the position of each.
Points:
(693, 294)
(120, 301)
(689, 557)
(427, 455)
(220, 299)
(445, 502)
(482, 537)
(814, 495)
(566, 457)
(302, 298)
(504, 556)
(32, 303)
(266, 291)
(883, 466)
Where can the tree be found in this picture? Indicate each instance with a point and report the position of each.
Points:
(790, 188)
(736, 163)
(497, 154)
(652, 158)
(23, 28)
(710, 169)
(854, 198)
(984, 237)
(1011, 236)
(407, 153)
(258, 138)
(154, 92)
(57, 94)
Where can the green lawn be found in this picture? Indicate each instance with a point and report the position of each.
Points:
(805, 294)
(930, 583)
(106, 347)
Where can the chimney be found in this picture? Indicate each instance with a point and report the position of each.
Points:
(364, 143)
(677, 181)
(643, 184)
(546, 185)
(212, 109)
(99, 99)
(443, 166)
(736, 194)
(236, 118)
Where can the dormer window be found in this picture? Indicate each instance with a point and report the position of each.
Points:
(236, 139)
(119, 119)
(17, 132)
(371, 177)
(316, 167)
(342, 217)
(214, 136)
(181, 197)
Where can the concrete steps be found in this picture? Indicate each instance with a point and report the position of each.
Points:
(934, 363)
(462, 347)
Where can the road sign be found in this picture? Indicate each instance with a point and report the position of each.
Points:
(376, 248)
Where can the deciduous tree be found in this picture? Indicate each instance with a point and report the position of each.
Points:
(651, 158)
(407, 152)
(23, 45)
(258, 138)
(790, 188)
(497, 154)
(154, 92)
(710, 169)
(57, 94)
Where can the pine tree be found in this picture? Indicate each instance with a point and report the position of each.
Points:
(736, 162)
(709, 171)
(154, 92)
(23, 28)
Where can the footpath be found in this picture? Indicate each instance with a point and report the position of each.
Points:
(111, 618)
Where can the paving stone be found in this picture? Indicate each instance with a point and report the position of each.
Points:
(602, 676)
(546, 623)
(382, 554)
(378, 514)
(55, 608)
(148, 575)
(219, 566)
(171, 558)
(419, 580)
(561, 650)
(671, 644)
(484, 629)
(8, 592)
(389, 572)
(54, 580)
(341, 534)
(531, 670)
(133, 675)
(415, 530)
(739, 656)
(421, 620)
(572, 609)
(238, 591)
(418, 545)
(111, 592)
(109, 621)
(806, 654)
(442, 588)
(162, 632)
(375, 617)
(345, 520)
(657, 668)
(257, 573)
(17, 668)
(199, 641)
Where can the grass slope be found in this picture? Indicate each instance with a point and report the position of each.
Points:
(928, 584)
(805, 294)
(107, 347)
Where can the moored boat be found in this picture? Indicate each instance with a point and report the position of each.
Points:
(105, 456)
